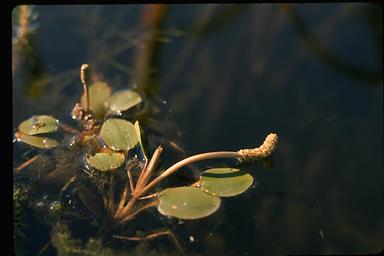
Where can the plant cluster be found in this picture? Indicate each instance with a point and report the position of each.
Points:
(115, 145)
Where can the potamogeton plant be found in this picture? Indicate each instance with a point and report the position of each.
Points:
(95, 106)
(112, 138)
(202, 197)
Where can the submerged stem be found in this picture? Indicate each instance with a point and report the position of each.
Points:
(137, 238)
(123, 199)
(130, 178)
(123, 212)
(26, 163)
(68, 128)
(132, 215)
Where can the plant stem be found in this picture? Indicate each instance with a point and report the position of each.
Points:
(148, 196)
(119, 215)
(187, 161)
(84, 77)
(44, 248)
(142, 171)
(136, 238)
(147, 172)
(26, 163)
(123, 212)
(132, 215)
(122, 199)
(67, 184)
(68, 128)
(130, 178)
(262, 151)
(152, 236)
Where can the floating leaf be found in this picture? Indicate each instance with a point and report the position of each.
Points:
(106, 161)
(119, 134)
(39, 124)
(99, 93)
(123, 100)
(138, 134)
(187, 203)
(36, 141)
(225, 182)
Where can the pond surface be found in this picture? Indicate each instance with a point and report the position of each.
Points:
(222, 77)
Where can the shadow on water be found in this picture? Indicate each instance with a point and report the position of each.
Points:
(214, 77)
(325, 55)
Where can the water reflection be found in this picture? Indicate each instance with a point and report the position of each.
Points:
(371, 75)
(26, 62)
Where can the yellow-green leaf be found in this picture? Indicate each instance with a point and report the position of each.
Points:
(119, 134)
(187, 203)
(36, 141)
(106, 161)
(123, 100)
(39, 124)
(225, 182)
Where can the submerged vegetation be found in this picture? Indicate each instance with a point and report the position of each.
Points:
(118, 183)
(19, 200)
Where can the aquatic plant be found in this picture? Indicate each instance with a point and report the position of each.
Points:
(110, 144)
(19, 200)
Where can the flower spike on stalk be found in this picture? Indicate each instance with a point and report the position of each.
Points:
(242, 155)
(84, 77)
(263, 151)
(81, 112)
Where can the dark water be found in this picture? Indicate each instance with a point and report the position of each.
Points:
(229, 75)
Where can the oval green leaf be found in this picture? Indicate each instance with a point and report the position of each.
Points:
(36, 141)
(39, 124)
(123, 100)
(187, 203)
(106, 161)
(119, 134)
(99, 93)
(225, 182)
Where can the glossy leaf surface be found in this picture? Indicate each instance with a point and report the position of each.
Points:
(39, 124)
(106, 161)
(123, 100)
(187, 203)
(36, 141)
(225, 182)
(119, 134)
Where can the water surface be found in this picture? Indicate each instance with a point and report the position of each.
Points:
(224, 76)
